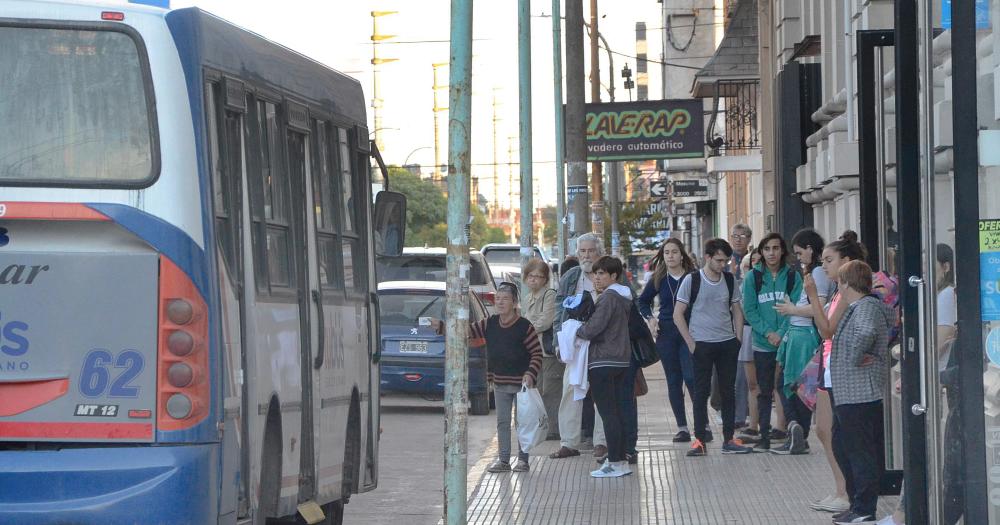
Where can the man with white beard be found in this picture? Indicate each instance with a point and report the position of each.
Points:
(589, 248)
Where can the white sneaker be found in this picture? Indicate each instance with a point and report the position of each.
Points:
(624, 468)
(609, 470)
(887, 520)
(821, 503)
(835, 504)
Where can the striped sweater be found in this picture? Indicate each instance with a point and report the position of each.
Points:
(511, 350)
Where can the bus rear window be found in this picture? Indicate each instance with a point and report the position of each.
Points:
(73, 108)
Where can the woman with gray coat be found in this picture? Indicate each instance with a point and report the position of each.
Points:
(859, 369)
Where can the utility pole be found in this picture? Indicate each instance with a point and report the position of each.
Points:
(596, 173)
(496, 162)
(576, 149)
(456, 389)
(510, 188)
(524, 97)
(613, 179)
(376, 62)
(438, 164)
(557, 84)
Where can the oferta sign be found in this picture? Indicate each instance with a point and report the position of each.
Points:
(658, 129)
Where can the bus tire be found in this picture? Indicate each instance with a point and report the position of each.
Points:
(270, 466)
(480, 404)
(352, 451)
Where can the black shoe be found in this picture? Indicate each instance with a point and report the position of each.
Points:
(784, 449)
(682, 437)
(853, 517)
(841, 514)
(778, 435)
(708, 436)
(632, 458)
(763, 445)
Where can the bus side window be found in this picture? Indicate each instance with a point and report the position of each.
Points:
(270, 203)
(326, 209)
(351, 246)
(226, 155)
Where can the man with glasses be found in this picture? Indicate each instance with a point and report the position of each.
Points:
(589, 248)
(740, 237)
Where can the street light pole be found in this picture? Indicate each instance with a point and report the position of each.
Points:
(456, 389)
(376, 62)
(524, 96)
(407, 161)
(576, 150)
(596, 171)
(557, 78)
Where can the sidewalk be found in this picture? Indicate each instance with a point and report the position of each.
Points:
(666, 487)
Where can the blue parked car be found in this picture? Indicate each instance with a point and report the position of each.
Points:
(413, 354)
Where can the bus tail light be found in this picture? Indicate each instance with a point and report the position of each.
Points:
(115, 16)
(183, 388)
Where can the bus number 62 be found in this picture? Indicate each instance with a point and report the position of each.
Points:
(95, 378)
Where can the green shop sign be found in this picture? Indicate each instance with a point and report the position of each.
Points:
(658, 129)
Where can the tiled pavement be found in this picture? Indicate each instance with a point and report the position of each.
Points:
(666, 488)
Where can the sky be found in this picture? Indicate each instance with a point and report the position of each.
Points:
(337, 33)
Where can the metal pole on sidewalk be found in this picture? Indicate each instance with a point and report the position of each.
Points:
(524, 96)
(616, 250)
(576, 150)
(596, 168)
(557, 85)
(457, 317)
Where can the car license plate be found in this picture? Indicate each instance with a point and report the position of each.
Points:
(413, 347)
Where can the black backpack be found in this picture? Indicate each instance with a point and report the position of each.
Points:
(758, 281)
(696, 286)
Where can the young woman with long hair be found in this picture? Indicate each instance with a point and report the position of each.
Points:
(670, 265)
(801, 340)
(835, 255)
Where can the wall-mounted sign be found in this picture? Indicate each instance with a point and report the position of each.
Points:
(658, 129)
(659, 189)
(982, 14)
(989, 269)
(690, 188)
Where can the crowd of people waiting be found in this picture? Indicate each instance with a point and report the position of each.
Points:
(744, 328)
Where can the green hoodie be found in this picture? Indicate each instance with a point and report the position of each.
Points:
(758, 305)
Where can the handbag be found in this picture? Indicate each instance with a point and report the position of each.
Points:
(643, 346)
(641, 386)
(808, 381)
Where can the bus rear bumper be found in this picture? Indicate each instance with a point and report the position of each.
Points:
(109, 485)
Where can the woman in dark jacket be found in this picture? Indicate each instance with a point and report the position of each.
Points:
(609, 358)
(671, 264)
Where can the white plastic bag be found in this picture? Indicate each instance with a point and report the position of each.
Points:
(532, 421)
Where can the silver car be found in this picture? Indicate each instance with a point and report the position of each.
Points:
(430, 264)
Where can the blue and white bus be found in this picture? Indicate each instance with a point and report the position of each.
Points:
(188, 316)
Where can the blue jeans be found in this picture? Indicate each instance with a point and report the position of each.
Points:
(677, 366)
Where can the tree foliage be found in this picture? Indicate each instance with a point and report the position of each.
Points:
(427, 213)
(638, 226)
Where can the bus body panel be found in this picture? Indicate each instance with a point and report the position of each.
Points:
(83, 323)
(174, 217)
(130, 485)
